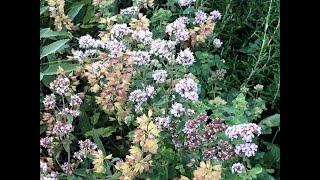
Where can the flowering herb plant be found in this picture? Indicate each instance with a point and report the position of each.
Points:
(123, 96)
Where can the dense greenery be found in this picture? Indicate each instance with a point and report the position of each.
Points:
(167, 89)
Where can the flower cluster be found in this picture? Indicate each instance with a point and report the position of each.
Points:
(222, 151)
(162, 122)
(185, 57)
(87, 42)
(49, 102)
(177, 109)
(159, 76)
(215, 15)
(139, 96)
(219, 74)
(244, 131)
(46, 142)
(185, 2)
(75, 101)
(237, 168)
(162, 48)
(187, 88)
(140, 57)
(194, 138)
(179, 29)
(217, 42)
(118, 31)
(248, 149)
(129, 10)
(201, 17)
(62, 128)
(214, 127)
(142, 36)
(86, 147)
(60, 85)
(114, 47)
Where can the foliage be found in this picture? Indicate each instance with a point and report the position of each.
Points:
(159, 89)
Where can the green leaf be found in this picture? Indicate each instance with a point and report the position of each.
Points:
(43, 128)
(66, 145)
(53, 47)
(256, 170)
(98, 142)
(74, 10)
(271, 121)
(70, 118)
(84, 122)
(89, 14)
(189, 10)
(67, 67)
(103, 132)
(95, 118)
(43, 9)
(80, 172)
(47, 32)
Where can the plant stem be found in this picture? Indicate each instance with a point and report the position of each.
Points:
(274, 137)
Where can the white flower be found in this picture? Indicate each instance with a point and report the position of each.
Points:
(140, 57)
(162, 48)
(43, 167)
(78, 55)
(49, 102)
(87, 42)
(162, 122)
(75, 101)
(129, 11)
(237, 168)
(258, 87)
(142, 36)
(179, 29)
(187, 88)
(62, 128)
(215, 15)
(185, 2)
(177, 109)
(217, 43)
(46, 142)
(118, 31)
(159, 76)
(248, 149)
(138, 96)
(114, 47)
(244, 131)
(60, 85)
(185, 57)
(149, 90)
(201, 17)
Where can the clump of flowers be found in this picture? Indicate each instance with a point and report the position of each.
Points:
(187, 88)
(185, 57)
(159, 76)
(177, 109)
(237, 168)
(247, 149)
(185, 2)
(244, 131)
(222, 151)
(214, 127)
